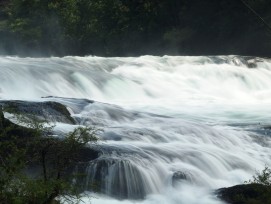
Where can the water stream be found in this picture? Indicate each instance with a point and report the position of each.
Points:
(174, 128)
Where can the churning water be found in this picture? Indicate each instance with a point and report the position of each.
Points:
(175, 128)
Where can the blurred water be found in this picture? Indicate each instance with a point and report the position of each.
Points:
(201, 117)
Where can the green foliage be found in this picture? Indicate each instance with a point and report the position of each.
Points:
(256, 191)
(263, 177)
(53, 159)
(121, 27)
(252, 193)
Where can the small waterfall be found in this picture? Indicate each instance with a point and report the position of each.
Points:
(119, 178)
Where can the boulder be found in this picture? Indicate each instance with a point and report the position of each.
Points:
(48, 110)
(180, 176)
(246, 194)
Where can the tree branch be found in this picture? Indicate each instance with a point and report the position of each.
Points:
(257, 15)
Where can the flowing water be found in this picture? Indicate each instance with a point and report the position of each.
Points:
(174, 128)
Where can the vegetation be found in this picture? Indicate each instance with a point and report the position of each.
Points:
(263, 177)
(255, 191)
(135, 27)
(23, 149)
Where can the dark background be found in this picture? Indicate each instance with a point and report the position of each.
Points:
(135, 27)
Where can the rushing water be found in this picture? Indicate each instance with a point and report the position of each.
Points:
(175, 128)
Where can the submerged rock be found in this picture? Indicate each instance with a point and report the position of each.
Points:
(248, 61)
(116, 177)
(246, 194)
(180, 176)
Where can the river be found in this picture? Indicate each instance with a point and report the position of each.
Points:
(175, 128)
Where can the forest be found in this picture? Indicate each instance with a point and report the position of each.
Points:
(135, 27)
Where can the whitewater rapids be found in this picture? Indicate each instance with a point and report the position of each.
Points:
(175, 128)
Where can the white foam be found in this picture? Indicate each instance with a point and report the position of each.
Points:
(194, 103)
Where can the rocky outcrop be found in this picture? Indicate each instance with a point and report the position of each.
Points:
(13, 129)
(246, 194)
(23, 135)
(47, 110)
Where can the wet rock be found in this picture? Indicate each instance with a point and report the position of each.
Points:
(251, 62)
(180, 176)
(251, 65)
(48, 110)
(2, 118)
(248, 61)
(13, 129)
(245, 194)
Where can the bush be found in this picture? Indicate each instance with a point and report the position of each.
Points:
(263, 177)
(22, 148)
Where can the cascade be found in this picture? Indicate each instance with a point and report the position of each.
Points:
(174, 128)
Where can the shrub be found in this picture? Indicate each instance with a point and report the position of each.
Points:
(263, 177)
(22, 148)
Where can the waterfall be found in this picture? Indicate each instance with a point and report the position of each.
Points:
(174, 128)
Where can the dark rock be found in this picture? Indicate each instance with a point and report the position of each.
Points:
(248, 61)
(2, 118)
(246, 194)
(49, 111)
(251, 65)
(87, 154)
(13, 129)
(180, 176)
